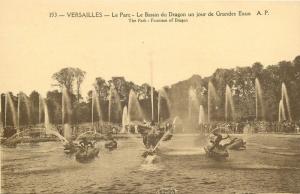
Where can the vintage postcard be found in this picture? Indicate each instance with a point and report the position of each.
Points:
(158, 97)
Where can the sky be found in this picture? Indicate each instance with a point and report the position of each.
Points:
(34, 46)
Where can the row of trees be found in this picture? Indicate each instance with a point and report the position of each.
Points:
(241, 80)
(242, 83)
(69, 80)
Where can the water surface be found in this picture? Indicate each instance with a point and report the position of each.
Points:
(271, 163)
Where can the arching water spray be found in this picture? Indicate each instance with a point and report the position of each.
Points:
(162, 94)
(47, 124)
(12, 109)
(134, 108)
(285, 100)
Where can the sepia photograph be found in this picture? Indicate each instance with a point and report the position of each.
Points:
(162, 97)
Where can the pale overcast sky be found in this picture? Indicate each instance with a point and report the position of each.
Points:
(34, 46)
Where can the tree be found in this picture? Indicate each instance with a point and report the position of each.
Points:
(119, 83)
(101, 88)
(145, 91)
(79, 77)
(65, 78)
(296, 63)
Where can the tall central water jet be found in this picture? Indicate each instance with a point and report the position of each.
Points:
(259, 101)
(229, 104)
(212, 96)
(285, 101)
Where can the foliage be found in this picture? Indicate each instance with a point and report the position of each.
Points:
(241, 80)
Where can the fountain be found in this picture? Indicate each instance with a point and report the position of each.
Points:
(66, 110)
(193, 102)
(42, 107)
(229, 102)
(259, 101)
(20, 97)
(134, 108)
(201, 115)
(12, 109)
(114, 105)
(46, 114)
(97, 102)
(285, 101)
(48, 127)
(24, 99)
(281, 112)
(162, 94)
(125, 121)
(212, 96)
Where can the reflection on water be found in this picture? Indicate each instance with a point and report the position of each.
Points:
(269, 164)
